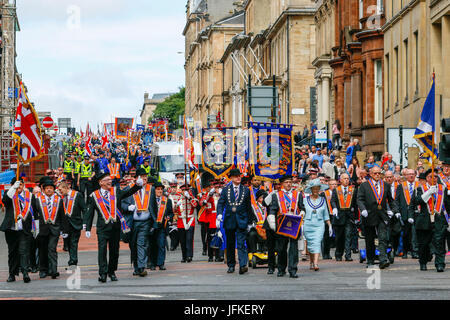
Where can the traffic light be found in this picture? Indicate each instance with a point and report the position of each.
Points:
(444, 146)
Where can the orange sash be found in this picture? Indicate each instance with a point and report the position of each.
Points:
(49, 217)
(406, 191)
(109, 214)
(143, 205)
(162, 209)
(68, 209)
(283, 208)
(438, 202)
(345, 203)
(445, 180)
(26, 206)
(328, 194)
(256, 209)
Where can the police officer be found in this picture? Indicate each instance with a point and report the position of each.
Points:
(69, 166)
(146, 166)
(85, 177)
(430, 222)
(76, 173)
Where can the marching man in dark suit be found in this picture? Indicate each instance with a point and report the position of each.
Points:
(286, 201)
(17, 227)
(431, 223)
(373, 199)
(343, 202)
(235, 199)
(52, 220)
(75, 208)
(110, 221)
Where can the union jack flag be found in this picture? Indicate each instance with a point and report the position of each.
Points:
(27, 130)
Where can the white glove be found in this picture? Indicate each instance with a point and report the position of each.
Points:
(390, 214)
(139, 182)
(12, 191)
(219, 234)
(448, 229)
(131, 207)
(84, 227)
(271, 221)
(64, 235)
(212, 192)
(427, 195)
(335, 213)
(88, 234)
(330, 231)
(398, 215)
(364, 213)
(411, 220)
(179, 203)
(448, 192)
(219, 217)
(187, 195)
(186, 227)
(16, 185)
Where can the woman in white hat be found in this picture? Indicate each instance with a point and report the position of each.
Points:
(316, 213)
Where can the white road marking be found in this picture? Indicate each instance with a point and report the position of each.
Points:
(82, 292)
(8, 291)
(150, 296)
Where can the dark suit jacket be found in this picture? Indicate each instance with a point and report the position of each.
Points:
(168, 213)
(274, 208)
(367, 201)
(402, 205)
(343, 214)
(240, 218)
(78, 212)
(61, 221)
(8, 221)
(422, 220)
(102, 227)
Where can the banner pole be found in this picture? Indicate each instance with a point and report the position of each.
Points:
(18, 161)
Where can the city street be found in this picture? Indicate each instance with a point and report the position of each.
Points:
(201, 280)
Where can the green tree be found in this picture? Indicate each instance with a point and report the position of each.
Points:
(172, 108)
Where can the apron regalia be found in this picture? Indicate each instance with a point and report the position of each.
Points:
(143, 204)
(27, 208)
(49, 217)
(345, 203)
(406, 191)
(289, 218)
(379, 197)
(438, 201)
(69, 209)
(108, 209)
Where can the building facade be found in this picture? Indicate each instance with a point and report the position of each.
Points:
(150, 105)
(416, 44)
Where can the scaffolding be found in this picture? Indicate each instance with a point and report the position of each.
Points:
(9, 80)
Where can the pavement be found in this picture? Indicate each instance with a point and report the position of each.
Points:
(200, 280)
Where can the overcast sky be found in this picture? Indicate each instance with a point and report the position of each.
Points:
(99, 65)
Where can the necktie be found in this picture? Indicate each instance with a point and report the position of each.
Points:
(105, 194)
(49, 204)
(345, 191)
(411, 189)
(378, 187)
(158, 200)
(65, 201)
(236, 193)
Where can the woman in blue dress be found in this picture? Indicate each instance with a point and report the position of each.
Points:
(316, 215)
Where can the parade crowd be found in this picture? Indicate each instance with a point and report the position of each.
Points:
(399, 212)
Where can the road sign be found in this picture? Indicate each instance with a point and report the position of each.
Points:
(55, 128)
(47, 122)
(321, 136)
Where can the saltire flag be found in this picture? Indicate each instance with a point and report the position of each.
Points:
(27, 130)
(271, 150)
(87, 146)
(425, 132)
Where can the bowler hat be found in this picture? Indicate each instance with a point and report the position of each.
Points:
(48, 183)
(158, 185)
(261, 193)
(234, 173)
(285, 177)
(102, 175)
(141, 172)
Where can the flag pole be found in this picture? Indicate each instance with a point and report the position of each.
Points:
(432, 150)
(18, 162)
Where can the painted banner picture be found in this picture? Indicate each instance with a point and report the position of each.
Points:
(218, 151)
(109, 129)
(271, 150)
(242, 151)
(122, 125)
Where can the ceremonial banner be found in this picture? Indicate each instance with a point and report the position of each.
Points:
(290, 226)
(218, 151)
(122, 125)
(109, 129)
(271, 150)
(242, 151)
(134, 137)
(140, 128)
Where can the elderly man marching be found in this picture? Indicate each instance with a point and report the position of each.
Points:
(105, 202)
(431, 223)
(344, 207)
(286, 202)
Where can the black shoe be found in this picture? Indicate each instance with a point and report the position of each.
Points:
(221, 259)
(281, 274)
(338, 258)
(204, 253)
(34, 269)
(102, 278)
(370, 264)
(113, 277)
(355, 250)
(384, 264)
(42, 275)
(55, 275)
(440, 269)
(142, 273)
(415, 255)
(135, 272)
(270, 271)
(189, 259)
(327, 257)
(348, 259)
(183, 261)
(66, 249)
(430, 257)
(293, 275)
(423, 267)
(153, 268)
(26, 278)
(11, 278)
(230, 270)
(210, 259)
(162, 268)
(243, 270)
(29, 269)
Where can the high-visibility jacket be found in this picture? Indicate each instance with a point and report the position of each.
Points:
(86, 171)
(146, 169)
(77, 168)
(114, 171)
(68, 166)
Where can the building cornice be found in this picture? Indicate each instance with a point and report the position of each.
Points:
(283, 16)
(400, 15)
